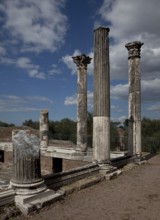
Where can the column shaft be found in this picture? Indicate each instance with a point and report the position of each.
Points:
(81, 62)
(134, 134)
(26, 163)
(44, 127)
(101, 114)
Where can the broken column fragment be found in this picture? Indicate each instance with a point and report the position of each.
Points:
(82, 61)
(134, 112)
(26, 163)
(101, 96)
(44, 127)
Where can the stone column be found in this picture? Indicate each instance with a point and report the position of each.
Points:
(134, 112)
(101, 112)
(44, 127)
(82, 61)
(26, 163)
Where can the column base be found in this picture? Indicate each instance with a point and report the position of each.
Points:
(137, 158)
(109, 171)
(106, 168)
(28, 188)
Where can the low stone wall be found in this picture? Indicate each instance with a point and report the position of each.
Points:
(46, 162)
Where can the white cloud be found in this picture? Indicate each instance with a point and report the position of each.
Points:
(72, 100)
(154, 108)
(39, 99)
(25, 63)
(7, 60)
(39, 25)
(68, 61)
(33, 70)
(130, 21)
(119, 119)
(12, 103)
(151, 90)
(119, 91)
(54, 70)
(131, 18)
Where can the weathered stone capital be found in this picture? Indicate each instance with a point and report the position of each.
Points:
(82, 61)
(134, 49)
(102, 28)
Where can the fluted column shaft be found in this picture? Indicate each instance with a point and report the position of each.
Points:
(82, 61)
(134, 105)
(101, 114)
(26, 163)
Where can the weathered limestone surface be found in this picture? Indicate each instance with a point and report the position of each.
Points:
(101, 130)
(134, 133)
(26, 163)
(101, 120)
(82, 61)
(44, 129)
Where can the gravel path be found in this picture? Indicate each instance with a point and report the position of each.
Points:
(135, 195)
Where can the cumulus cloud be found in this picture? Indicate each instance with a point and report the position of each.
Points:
(38, 25)
(72, 100)
(130, 21)
(33, 70)
(119, 91)
(150, 90)
(68, 61)
(12, 103)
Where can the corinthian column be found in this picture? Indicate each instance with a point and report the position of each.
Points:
(82, 62)
(134, 132)
(101, 114)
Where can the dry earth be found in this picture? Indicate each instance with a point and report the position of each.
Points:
(135, 195)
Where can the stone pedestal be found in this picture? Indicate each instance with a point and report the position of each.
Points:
(44, 127)
(26, 163)
(82, 61)
(101, 113)
(134, 131)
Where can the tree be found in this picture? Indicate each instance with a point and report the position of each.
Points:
(4, 124)
(114, 136)
(31, 124)
(64, 129)
(150, 135)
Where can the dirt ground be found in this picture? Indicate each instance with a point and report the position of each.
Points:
(135, 195)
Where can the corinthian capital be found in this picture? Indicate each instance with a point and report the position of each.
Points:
(81, 61)
(134, 49)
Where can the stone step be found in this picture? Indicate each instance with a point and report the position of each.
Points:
(7, 196)
(60, 179)
(28, 204)
(81, 184)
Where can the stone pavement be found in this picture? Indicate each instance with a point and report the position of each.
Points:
(135, 195)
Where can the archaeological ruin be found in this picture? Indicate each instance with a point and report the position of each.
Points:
(28, 187)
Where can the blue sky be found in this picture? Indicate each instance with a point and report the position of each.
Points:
(38, 39)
